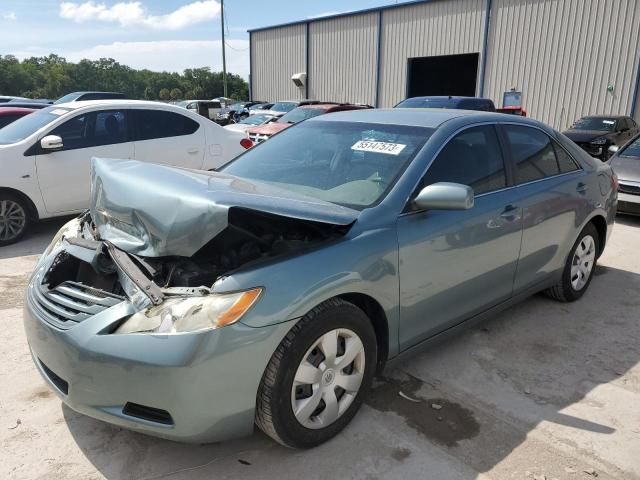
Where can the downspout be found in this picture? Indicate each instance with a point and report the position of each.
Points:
(306, 59)
(485, 47)
(250, 71)
(376, 101)
(636, 88)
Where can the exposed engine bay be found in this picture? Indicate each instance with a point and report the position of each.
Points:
(250, 237)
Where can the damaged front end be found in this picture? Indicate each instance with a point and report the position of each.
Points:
(159, 238)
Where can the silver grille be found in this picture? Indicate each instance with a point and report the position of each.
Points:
(70, 302)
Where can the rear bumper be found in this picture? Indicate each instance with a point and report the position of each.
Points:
(203, 384)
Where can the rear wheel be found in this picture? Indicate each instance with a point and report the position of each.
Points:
(14, 218)
(316, 379)
(578, 270)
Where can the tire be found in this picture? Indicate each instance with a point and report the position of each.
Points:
(569, 289)
(277, 398)
(14, 218)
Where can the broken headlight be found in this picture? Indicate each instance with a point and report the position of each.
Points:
(190, 314)
(68, 229)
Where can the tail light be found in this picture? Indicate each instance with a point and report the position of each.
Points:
(614, 181)
(246, 143)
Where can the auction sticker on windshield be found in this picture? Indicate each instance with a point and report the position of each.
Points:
(378, 147)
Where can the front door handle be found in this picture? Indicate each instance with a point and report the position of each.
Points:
(581, 187)
(193, 150)
(510, 213)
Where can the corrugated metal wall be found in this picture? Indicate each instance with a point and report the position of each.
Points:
(342, 59)
(562, 54)
(442, 27)
(276, 54)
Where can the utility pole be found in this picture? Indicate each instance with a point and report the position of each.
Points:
(224, 61)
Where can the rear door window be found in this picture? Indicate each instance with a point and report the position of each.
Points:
(533, 154)
(151, 124)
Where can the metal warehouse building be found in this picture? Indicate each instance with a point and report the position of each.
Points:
(568, 58)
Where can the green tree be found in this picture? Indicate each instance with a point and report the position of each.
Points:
(165, 94)
(176, 94)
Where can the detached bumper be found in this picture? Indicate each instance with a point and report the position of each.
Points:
(193, 387)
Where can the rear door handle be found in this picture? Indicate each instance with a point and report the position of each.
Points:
(510, 213)
(581, 188)
(193, 150)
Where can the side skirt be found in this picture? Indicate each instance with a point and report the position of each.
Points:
(465, 324)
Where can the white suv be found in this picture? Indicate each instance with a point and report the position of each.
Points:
(45, 157)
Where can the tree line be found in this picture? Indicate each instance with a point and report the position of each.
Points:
(53, 76)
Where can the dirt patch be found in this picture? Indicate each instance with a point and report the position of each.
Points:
(40, 393)
(400, 454)
(12, 290)
(436, 418)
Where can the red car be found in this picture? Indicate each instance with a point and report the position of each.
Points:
(263, 132)
(11, 114)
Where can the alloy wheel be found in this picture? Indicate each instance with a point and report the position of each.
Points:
(328, 378)
(13, 219)
(582, 263)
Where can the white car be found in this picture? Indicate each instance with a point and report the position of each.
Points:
(45, 157)
(251, 121)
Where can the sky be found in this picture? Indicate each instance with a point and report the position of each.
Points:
(159, 35)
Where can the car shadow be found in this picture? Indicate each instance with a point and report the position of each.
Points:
(37, 239)
(537, 365)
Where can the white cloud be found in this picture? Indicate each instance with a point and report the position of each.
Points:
(11, 16)
(171, 55)
(129, 14)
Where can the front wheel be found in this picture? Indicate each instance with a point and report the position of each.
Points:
(578, 271)
(316, 379)
(14, 219)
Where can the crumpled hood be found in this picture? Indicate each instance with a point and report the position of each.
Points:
(626, 168)
(155, 210)
(584, 135)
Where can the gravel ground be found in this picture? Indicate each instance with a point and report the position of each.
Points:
(543, 391)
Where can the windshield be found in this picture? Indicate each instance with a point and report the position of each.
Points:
(299, 114)
(237, 106)
(427, 103)
(256, 119)
(595, 123)
(632, 150)
(25, 126)
(184, 103)
(351, 164)
(284, 106)
(69, 97)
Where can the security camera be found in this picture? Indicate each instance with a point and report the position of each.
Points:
(299, 79)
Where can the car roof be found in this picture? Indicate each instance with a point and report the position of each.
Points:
(605, 116)
(114, 102)
(446, 97)
(419, 117)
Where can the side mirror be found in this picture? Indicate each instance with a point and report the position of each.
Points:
(445, 196)
(51, 142)
(613, 149)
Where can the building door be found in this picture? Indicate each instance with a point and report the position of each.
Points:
(443, 75)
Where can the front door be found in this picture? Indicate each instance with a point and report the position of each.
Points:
(455, 264)
(64, 175)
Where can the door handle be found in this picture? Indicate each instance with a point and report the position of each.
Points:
(193, 150)
(581, 187)
(510, 213)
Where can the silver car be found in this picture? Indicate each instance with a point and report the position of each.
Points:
(193, 305)
(626, 164)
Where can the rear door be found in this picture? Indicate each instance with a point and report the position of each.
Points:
(168, 138)
(552, 191)
(64, 175)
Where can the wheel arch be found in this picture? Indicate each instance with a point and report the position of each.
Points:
(600, 223)
(378, 318)
(31, 206)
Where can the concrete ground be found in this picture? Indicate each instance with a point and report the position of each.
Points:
(543, 391)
